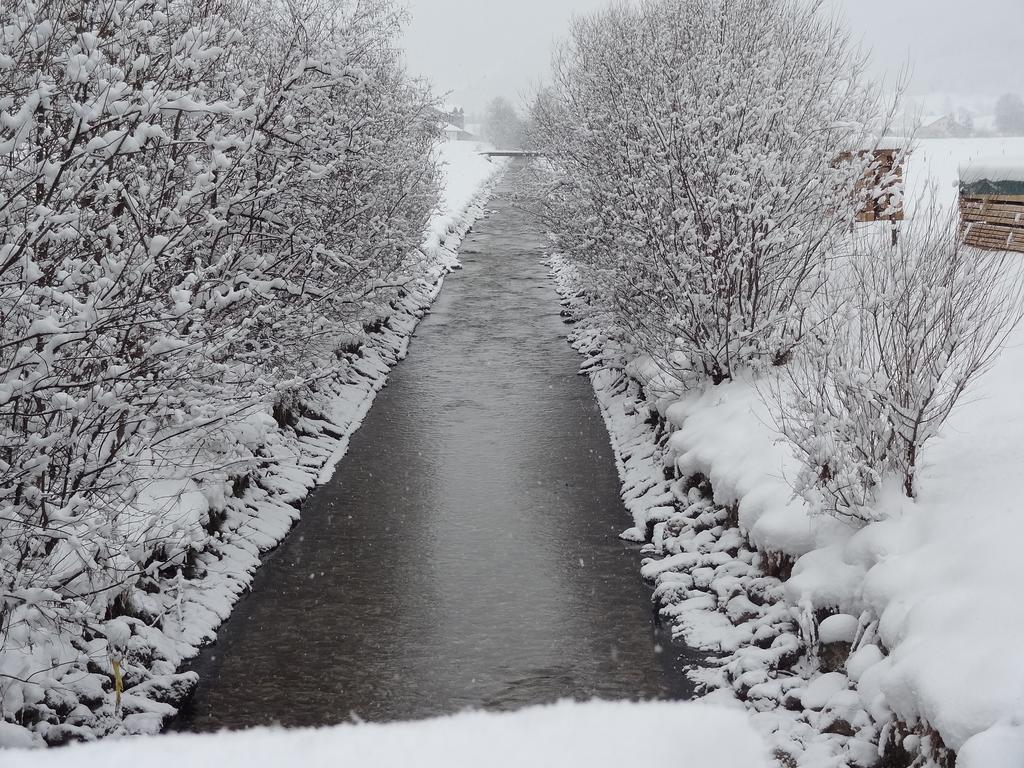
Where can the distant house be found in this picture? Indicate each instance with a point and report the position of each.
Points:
(944, 127)
(456, 116)
(453, 124)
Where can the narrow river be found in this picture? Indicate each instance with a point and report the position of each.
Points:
(465, 554)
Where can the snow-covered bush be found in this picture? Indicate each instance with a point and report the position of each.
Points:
(200, 200)
(698, 170)
(911, 327)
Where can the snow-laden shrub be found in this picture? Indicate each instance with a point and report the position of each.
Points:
(699, 170)
(198, 200)
(911, 327)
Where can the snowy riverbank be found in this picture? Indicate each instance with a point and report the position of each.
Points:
(596, 735)
(63, 689)
(904, 633)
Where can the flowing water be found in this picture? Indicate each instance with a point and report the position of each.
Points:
(465, 554)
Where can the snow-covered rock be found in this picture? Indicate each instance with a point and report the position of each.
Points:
(838, 628)
(822, 689)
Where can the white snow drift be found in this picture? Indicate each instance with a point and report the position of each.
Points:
(596, 735)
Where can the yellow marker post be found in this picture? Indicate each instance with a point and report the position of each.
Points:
(118, 682)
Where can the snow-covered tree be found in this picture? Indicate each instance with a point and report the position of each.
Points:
(1010, 114)
(700, 170)
(909, 329)
(503, 126)
(200, 200)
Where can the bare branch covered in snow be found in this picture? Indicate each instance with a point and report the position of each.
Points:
(700, 171)
(200, 204)
(911, 328)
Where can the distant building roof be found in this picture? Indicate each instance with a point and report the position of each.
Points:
(945, 127)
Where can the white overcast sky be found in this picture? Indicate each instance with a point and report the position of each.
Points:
(478, 49)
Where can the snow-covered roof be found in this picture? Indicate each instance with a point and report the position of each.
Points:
(993, 169)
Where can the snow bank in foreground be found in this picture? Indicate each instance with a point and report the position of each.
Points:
(927, 613)
(593, 735)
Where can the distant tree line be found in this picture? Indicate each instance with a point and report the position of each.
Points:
(503, 126)
(1010, 114)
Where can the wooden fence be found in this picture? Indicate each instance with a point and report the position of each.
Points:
(993, 222)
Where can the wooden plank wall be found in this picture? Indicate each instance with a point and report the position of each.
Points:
(993, 222)
(886, 165)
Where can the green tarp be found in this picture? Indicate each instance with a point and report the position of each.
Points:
(986, 187)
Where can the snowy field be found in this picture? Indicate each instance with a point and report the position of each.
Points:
(928, 598)
(936, 163)
(72, 674)
(596, 735)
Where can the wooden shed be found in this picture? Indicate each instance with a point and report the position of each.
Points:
(992, 204)
(886, 175)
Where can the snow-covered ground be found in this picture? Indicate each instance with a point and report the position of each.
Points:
(936, 163)
(65, 681)
(595, 735)
(928, 598)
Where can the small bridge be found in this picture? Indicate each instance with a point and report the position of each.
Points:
(511, 153)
